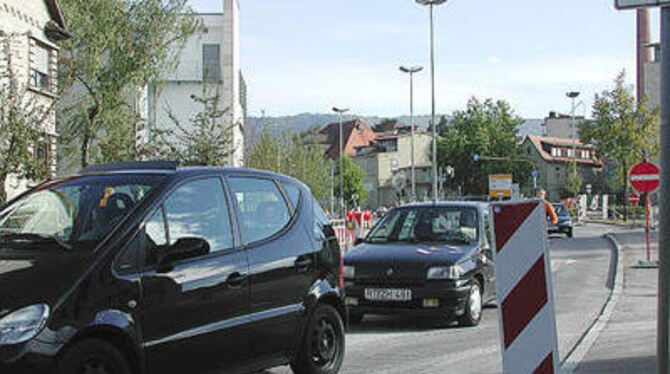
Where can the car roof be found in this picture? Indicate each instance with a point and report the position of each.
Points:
(468, 204)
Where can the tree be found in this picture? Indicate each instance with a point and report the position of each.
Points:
(441, 128)
(489, 129)
(292, 155)
(573, 184)
(207, 141)
(21, 126)
(623, 131)
(353, 178)
(120, 47)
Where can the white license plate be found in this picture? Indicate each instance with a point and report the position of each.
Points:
(388, 294)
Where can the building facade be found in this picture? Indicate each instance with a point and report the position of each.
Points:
(558, 125)
(387, 165)
(208, 65)
(29, 33)
(553, 159)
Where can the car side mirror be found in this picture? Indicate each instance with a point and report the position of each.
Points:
(183, 249)
(358, 241)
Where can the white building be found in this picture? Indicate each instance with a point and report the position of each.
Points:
(209, 59)
(31, 28)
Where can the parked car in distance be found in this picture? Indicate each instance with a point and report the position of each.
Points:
(429, 259)
(564, 224)
(152, 268)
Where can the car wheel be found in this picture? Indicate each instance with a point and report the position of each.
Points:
(569, 233)
(322, 350)
(355, 318)
(473, 306)
(93, 356)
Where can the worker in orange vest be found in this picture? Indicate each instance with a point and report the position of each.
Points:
(548, 208)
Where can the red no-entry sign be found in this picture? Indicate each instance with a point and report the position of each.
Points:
(633, 199)
(644, 177)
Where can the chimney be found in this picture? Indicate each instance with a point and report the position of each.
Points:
(643, 51)
(552, 114)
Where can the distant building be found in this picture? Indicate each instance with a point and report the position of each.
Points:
(32, 29)
(209, 60)
(652, 81)
(387, 166)
(553, 158)
(560, 125)
(355, 134)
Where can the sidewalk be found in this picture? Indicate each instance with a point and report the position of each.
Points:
(627, 344)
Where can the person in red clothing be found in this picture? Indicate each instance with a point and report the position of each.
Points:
(548, 208)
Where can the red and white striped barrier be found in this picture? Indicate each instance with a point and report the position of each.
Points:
(524, 290)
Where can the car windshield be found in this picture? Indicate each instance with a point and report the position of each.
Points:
(74, 213)
(456, 225)
(561, 210)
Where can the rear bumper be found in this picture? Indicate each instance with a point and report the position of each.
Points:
(451, 297)
(559, 229)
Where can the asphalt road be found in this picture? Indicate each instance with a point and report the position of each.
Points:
(580, 271)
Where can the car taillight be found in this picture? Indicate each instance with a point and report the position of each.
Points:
(341, 269)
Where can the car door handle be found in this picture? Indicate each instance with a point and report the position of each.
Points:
(236, 279)
(303, 263)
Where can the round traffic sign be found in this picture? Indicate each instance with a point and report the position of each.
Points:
(634, 199)
(645, 177)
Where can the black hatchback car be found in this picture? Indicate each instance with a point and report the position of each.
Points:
(153, 268)
(424, 260)
(564, 224)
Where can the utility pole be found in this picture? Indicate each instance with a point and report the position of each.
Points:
(343, 201)
(411, 71)
(664, 201)
(573, 95)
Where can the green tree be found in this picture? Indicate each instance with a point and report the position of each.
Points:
(573, 184)
(120, 47)
(22, 120)
(290, 154)
(486, 128)
(442, 126)
(622, 130)
(353, 178)
(206, 141)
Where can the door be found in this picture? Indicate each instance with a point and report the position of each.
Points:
(194, 309)
(281, 262)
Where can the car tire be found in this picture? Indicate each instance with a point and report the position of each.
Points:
(322, 348)
(93, 356)
(355, 318)
(569, 233)
(473, 306)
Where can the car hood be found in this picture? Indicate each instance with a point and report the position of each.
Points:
(407, 260)
(29, 275)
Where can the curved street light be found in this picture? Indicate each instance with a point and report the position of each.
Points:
(411, 71)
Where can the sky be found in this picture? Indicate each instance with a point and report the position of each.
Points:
(302, 56)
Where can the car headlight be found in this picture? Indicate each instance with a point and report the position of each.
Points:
(23, 324)
(349, 272)
(445, 272)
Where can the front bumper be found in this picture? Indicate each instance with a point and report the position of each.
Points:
(558, 229)
(451, 299)
(29, 357)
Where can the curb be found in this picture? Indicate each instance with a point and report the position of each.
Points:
(579, 351)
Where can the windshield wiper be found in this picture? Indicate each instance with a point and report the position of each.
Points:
(35, 238)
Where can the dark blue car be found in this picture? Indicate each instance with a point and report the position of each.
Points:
(425, 260)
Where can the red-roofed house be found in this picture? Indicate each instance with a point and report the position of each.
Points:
(355, 134)
(554, 159)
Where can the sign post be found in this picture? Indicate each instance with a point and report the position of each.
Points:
(500, 185)
(645, 179)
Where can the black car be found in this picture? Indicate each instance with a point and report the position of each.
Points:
(425, 260)
(564, 224)
(154, 268)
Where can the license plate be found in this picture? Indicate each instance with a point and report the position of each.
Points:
(388, 294)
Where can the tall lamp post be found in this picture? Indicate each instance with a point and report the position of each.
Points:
(411, 71)
(341, 111)
(431, 4)
(573, 95)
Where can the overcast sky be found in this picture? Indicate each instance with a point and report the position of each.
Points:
(308, 55)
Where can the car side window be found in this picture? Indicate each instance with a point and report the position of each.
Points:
(263, 209)
(320, 220)
(198, 209)
(153, 239)
(293, 194)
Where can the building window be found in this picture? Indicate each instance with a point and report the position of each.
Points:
(555, 152)
(211, 62)
(42, 154)
(40, 68)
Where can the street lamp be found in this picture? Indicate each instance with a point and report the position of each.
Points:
(341, 111)
(411, 71)
(573, 95)
(431, 4)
